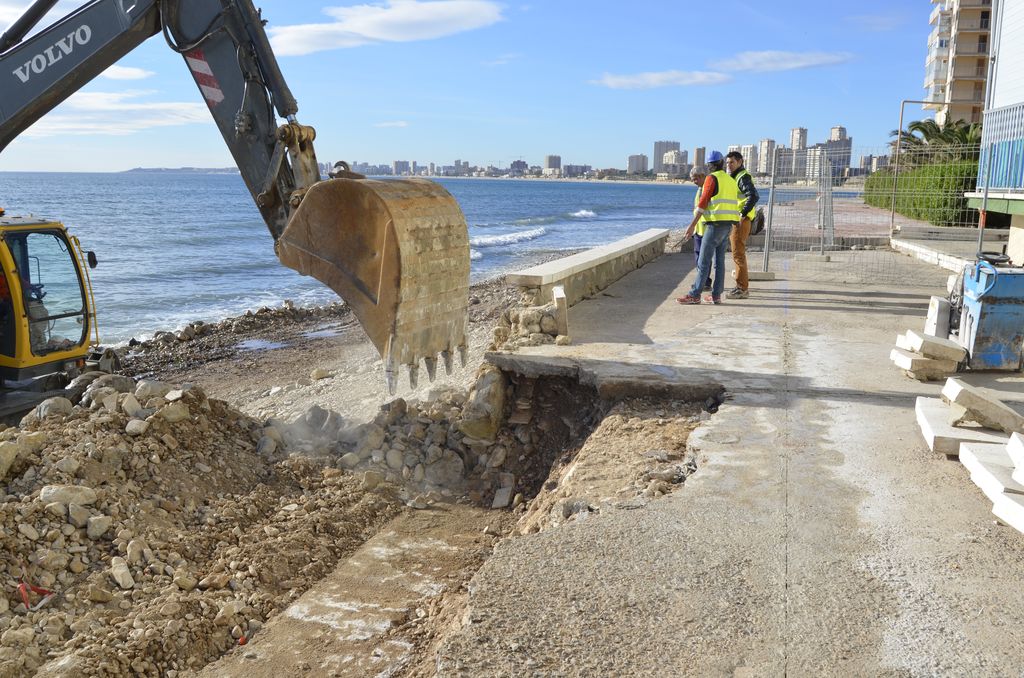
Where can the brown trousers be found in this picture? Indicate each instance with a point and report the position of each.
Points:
(738, 243)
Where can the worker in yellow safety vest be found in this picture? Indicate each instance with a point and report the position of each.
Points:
(718, 208)
(697, 175)
(738, 238)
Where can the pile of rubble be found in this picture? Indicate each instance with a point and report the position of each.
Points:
(927, 358)
(531, 323)
(147, 529)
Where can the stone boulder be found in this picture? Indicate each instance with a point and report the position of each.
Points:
(481, 417)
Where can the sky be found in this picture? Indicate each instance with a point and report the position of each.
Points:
(489, 81)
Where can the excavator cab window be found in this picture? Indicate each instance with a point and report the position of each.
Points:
(7, 334)
(53, 295)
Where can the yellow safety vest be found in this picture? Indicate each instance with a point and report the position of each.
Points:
(724, 206)
(743, 198)
(701, 224)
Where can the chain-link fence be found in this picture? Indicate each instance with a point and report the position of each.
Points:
(835, 203)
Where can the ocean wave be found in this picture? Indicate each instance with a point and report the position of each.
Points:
(475, 254)
(534, 221)
(507, 239)
(584, 214)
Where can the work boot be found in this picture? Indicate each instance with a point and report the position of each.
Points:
(712, 300)
(688, 300)
(738, 293)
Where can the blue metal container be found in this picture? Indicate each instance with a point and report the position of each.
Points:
(992, 323)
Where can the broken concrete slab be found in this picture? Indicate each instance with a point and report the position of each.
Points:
(903, 343)
(937, 324)
(561, 309)
(939, 348)
(933, 418)
(982, 407)
(991, 468)
(914, 362)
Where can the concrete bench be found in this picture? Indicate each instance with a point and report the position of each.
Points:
(591, 271)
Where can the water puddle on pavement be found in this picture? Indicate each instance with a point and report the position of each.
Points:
(325, 333)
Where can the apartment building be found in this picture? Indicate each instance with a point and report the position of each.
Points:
(957, 63)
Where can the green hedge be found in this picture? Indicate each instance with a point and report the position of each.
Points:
(932, 193)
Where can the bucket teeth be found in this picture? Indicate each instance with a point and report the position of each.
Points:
(414, 376)
(463, 355)
(431, 365)
(446, 357)
(391, 377)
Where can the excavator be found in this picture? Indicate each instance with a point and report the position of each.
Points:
(397, 251)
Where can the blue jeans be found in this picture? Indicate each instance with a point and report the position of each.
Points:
(696, 250)
(712, 246)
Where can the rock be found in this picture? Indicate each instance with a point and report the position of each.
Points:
(175, 394)
(447, 472)
(19, 637)
(502, 498)
(227, 611)
(266, 446)
(174, 412)
(57, 509)
(203, 468)
(320, 373)
(120, 573)
(51, 560)
(136, 427)
(497, 457)
(28, 531)
(394, 459)
(78, 515)
(170, 609)
(68, 465)
(548, 325)
(98, 594)
(371, 479)
(148, 388)
(9, 451)
(68, 494)
(184, 580)
(134, 551)
(170, 441)
(130, 405)
(117, 382)
(32, 443)
(371, 438)
(481, 416)
(982, 407)
(562, 340)
(51, 407)
(77, 566)
(350, 460)
(214, 581)
(74, 390)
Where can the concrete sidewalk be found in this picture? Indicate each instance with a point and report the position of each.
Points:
(818, 535)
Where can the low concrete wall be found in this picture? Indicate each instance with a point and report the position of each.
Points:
(589, 272)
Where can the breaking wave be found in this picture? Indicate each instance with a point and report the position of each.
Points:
(584, 214)
(507, 239)
(475, 254)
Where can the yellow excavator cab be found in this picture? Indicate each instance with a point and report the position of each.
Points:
(47, 313)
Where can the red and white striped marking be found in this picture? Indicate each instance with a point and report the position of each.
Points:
(203, 75)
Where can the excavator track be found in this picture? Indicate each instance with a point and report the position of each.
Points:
(398, 253)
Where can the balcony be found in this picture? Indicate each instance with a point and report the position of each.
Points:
(975, 3)
(969, 72)
(1003, 137)
(939, 11)
(971, 48)
(936, 74)
(973, 25)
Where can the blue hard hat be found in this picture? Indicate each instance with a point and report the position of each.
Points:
(715, 156)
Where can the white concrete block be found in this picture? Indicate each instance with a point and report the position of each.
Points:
(914, 362)
(933, 418)
(761, 275)
(991, 468)
(936, 347)
(982, 407)
(937, 324)
(902, 342)
(1009, 508)
(1015, 448)
(561, 309)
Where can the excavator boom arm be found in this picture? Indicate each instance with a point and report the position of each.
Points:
(397, 252)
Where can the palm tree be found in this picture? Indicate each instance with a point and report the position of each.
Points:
(926, 140)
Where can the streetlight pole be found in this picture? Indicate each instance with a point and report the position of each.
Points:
(896, 162)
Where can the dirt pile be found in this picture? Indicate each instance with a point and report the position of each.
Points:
(151, 528)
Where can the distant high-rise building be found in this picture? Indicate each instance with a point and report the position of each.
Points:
(749, 153)
(636, 164)
(433, 169)
(698, 155)
(685, 157)
(660, 149)
(956, 68)
(838, 133)
(765, 155)
(400, 167)
(674, 163)
(798, 138)
(733, 148)
(553, 162)
(518, 167)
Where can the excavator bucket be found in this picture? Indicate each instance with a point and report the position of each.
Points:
(398, 253)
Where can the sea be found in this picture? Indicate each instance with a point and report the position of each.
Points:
(176, 247)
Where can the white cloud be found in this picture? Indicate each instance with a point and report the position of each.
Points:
(393, 123)
(763, 62)
(503, 59)
(877, 23)
(126, 73)
(392, 21)
(653, 80)
(103, 113)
